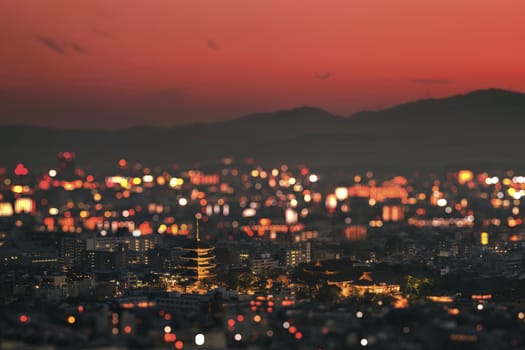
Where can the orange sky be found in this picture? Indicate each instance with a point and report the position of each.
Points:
(116, 63)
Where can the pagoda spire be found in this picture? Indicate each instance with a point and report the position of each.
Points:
(197, 236)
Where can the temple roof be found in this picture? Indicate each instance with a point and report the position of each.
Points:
(194, 254)
(194, 245)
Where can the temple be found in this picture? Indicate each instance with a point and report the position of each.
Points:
(197, 265)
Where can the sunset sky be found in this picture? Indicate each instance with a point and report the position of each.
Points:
(118, 63)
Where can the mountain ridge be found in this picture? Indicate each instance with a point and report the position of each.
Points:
(483, 126)
(477, 98)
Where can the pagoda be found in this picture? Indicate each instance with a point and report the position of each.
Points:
(197, 264)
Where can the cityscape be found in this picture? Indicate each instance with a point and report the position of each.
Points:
(262, 175)
(244, 256)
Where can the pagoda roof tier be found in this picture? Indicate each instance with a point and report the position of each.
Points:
(191, 256)
(199, 266)
(197, 245)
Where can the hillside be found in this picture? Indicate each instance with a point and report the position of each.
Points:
(483, 127)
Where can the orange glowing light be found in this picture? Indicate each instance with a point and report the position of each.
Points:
(481, 296)
(265, 221)
(440, 299)
(286, 303)
(401, 303)
(453, 311)
(169, 337)
(465, 176)
(127, 305)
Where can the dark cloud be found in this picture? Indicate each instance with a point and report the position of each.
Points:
(431, 81)
(324, 76)
(52, 44)
(61, 47)
(77, 48)
(212, 44)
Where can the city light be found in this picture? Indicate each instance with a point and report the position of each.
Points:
(135, 227)
(262, 175)
(199, 339)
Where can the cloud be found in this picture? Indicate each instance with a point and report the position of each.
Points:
(431, 81)
(61, 47)
(77, 48)
(52, 44)
(212, 44)
(324, 76)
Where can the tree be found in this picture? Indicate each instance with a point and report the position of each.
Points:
(242, 282)
(417, 285)
(329, 293)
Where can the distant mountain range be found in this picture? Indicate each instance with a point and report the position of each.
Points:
(481, 128)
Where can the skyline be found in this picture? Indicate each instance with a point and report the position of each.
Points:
(262, 175)
(109, 66)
